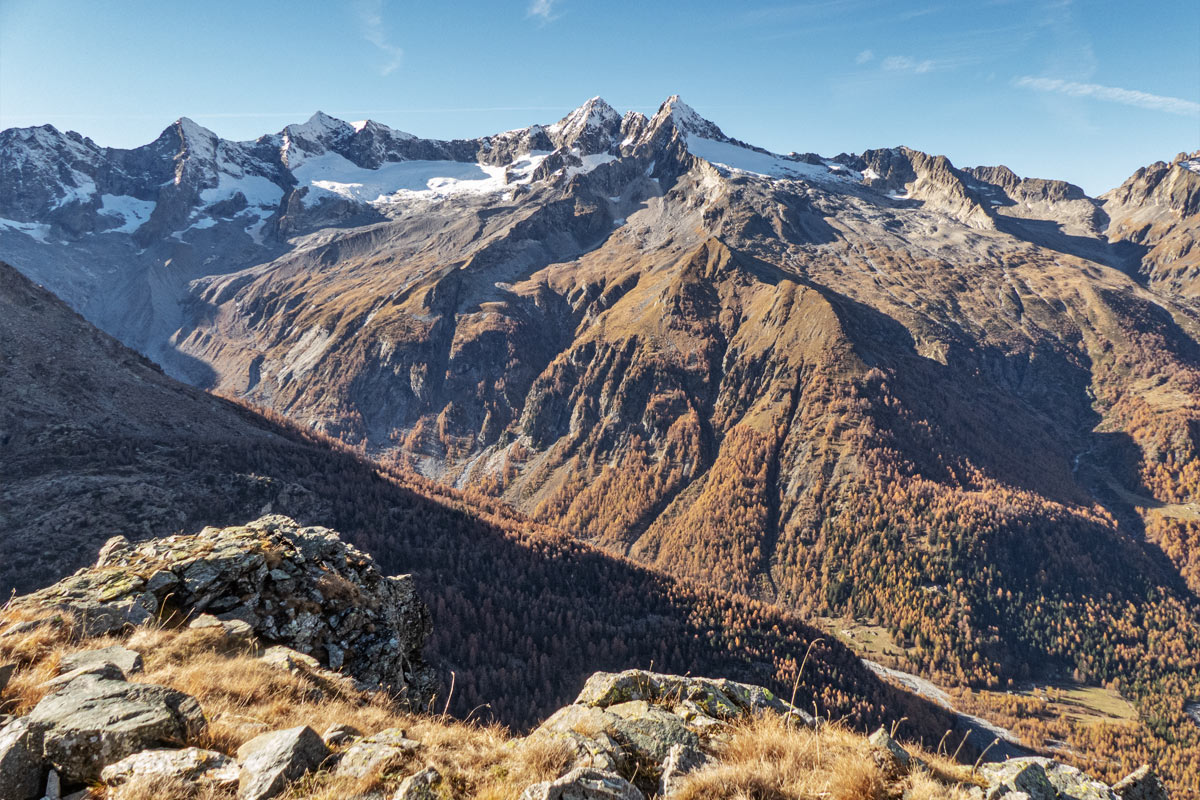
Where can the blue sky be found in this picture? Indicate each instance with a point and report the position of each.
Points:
(1084, 91)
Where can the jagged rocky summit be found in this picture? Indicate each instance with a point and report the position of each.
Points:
(292, 585)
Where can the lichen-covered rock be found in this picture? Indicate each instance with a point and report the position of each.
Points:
(20, 762)
(128, 661)
(650, 732)
(1141, 784)
(716, 698)
(269, 763)
(584, 784)
(96, 720)
(297, 586)
(192, 764)
(1074, 784)
(373, 753)
(422, 786)
(1042, 779)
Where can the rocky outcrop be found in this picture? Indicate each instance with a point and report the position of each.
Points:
(301, 587)
(1042, 779)
(1141, 784)
(652, 728)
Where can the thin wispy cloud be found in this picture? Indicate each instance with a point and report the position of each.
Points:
(370, 15)
(864, 57)
(1112, 94)
(907, 64)
(543, 10)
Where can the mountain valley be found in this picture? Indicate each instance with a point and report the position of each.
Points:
(952, 405)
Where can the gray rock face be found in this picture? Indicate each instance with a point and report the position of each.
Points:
(585, 784)
(95, 720)
(192, 764)
(422, 786)
(272, 761)
(1141, 784)
(20, 762)
(128, 661)
(297, 586)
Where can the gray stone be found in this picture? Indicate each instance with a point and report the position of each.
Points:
(422, 786)
(1141, 784)
(94, 721)
(53, 787)
(719, 699)
(203, 767)
(20, 762)
(6, 673)
(95, 669)
(371, 754)
(269, 763)
(680, 762)
(340, 734)
(585, 784)
(111, 549)
(650, 732)
(889, 754)
(128, 661)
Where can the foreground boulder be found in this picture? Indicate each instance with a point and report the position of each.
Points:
(96, 719)
(272, 761)
(302, 587)
(652, 728)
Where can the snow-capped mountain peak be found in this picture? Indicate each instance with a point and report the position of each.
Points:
(685, 120)
(592, 128)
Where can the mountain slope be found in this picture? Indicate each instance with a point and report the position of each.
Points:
(95, 441)
(875, 385)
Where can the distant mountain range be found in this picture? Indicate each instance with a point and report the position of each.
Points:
(958, 403)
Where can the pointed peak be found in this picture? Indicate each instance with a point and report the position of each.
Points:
(190, 130)
(592, 115)
(318, 125)
(685, 119)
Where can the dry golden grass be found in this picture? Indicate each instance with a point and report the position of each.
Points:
(242, 696)
(765, 759)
